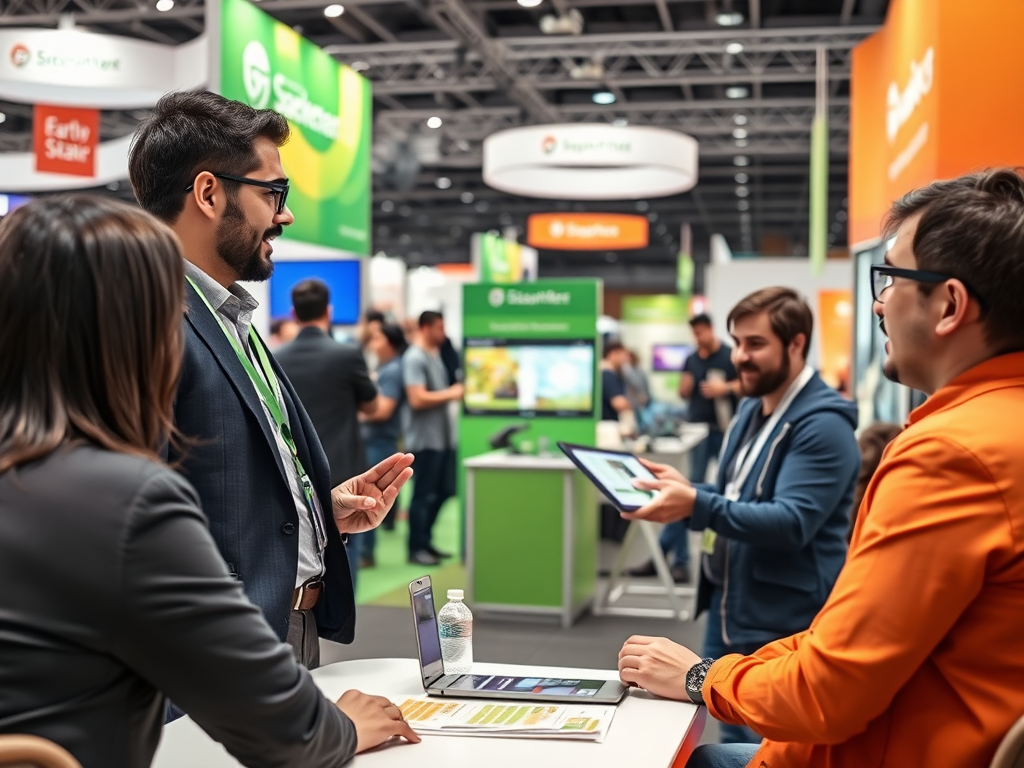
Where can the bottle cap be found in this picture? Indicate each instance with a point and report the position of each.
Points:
(456, 594)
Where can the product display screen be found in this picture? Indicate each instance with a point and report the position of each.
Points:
(613, 473)
(545, 686)
(669, 357)
(529, 377)
(342, 278)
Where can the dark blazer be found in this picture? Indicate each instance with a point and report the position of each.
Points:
(235, 466)
(114, 596)
(332, 381)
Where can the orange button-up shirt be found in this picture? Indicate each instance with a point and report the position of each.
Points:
(917, 658)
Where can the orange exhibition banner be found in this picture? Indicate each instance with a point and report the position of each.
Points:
(934, 94)
(835, 339)
(65, 139)
(586, 231)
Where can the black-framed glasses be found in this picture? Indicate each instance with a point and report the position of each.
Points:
(882, 275)
(279, 188)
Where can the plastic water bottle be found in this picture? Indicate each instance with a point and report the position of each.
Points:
(455, 625)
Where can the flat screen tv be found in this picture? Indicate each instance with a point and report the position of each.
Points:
(669, 357)
(529, 378)
(342, 278)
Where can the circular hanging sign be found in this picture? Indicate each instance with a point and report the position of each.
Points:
(581, 161)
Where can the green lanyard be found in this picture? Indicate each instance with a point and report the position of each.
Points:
(275, 406)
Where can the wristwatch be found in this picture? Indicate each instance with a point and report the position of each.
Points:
(695, 680)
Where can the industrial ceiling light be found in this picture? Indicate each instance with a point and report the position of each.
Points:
(742, 191)
(741, 143)
(164, 5)
(529, 3)
(742, 178)
(603, 97)
(741, 160)
(734, 48)
(334, 10)
(360, 66)
(737, 92)
(442, 182)
(729, 19)
(467, 197)
(739, 133)
(739, 119)
(3, 117)
(743, 205)
(434, 122)
(620, 122)
(387, 206)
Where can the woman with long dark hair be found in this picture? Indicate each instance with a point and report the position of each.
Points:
(112, 592)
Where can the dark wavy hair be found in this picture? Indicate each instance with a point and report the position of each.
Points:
(91, 302)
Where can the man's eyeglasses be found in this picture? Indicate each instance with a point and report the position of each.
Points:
(279, 188)
(883, 274)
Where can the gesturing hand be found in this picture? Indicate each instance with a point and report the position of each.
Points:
(376, 720)
(360, 503)
(656, 664)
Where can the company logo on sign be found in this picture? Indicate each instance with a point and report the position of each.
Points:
(496, 297)
(549, 144)
(256, 74)
(901, 105)
(586, 231)
(291, 98)
(20, 55)
(538, 298)
(65, 140)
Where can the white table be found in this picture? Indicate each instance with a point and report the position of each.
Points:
(647, 731)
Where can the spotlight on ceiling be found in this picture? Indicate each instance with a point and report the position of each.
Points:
(729, 19)
(733, 48)
(603, 97)
(737, 92)
(334, 10)
(434, 122)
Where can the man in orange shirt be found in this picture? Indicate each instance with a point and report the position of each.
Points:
(916, 657)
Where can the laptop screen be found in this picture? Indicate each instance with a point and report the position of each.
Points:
(427, 640)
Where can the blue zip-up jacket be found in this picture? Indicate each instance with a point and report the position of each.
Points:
(786, 534)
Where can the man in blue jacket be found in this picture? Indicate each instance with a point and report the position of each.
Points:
(775, 521)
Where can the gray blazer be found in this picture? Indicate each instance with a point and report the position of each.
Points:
(114, 595)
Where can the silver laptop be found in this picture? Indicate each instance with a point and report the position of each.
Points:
(532, 687)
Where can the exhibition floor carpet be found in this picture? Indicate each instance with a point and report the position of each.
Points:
(387, 584)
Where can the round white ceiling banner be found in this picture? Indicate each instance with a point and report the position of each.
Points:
(580, 161)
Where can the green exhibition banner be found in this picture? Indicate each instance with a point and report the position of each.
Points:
(542, 336)
(267, 64)
(662, 308)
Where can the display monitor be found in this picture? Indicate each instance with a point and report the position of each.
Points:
(528, 378)
(670, 357)
(342, 278)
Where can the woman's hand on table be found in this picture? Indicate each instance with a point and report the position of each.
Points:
(376, 720)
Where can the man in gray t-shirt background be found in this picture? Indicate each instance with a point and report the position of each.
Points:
(428, 435)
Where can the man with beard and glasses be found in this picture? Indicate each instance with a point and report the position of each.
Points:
(210, 168)
(775, 521)
(915, 658)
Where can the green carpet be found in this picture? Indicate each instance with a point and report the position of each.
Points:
(387, 584)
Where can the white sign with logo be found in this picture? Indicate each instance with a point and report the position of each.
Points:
(590, 162)
(74, 68)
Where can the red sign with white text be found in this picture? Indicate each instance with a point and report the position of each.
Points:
(65, 139)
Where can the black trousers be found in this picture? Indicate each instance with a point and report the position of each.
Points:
(433, 484)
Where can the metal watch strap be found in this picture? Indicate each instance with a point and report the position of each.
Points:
(695, 680)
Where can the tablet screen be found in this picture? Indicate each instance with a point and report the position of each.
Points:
(616, 472)
(545, 686)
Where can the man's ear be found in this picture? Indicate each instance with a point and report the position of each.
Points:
(957, 308)
(799, 344)
(207, 194)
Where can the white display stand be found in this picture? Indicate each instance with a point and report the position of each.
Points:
(619, 584)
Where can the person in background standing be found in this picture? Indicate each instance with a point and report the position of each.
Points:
(282, 330)
(333, 385)
(428, 436)
(709, 382)
(383, 427)
(615, 406)
(638, 390)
